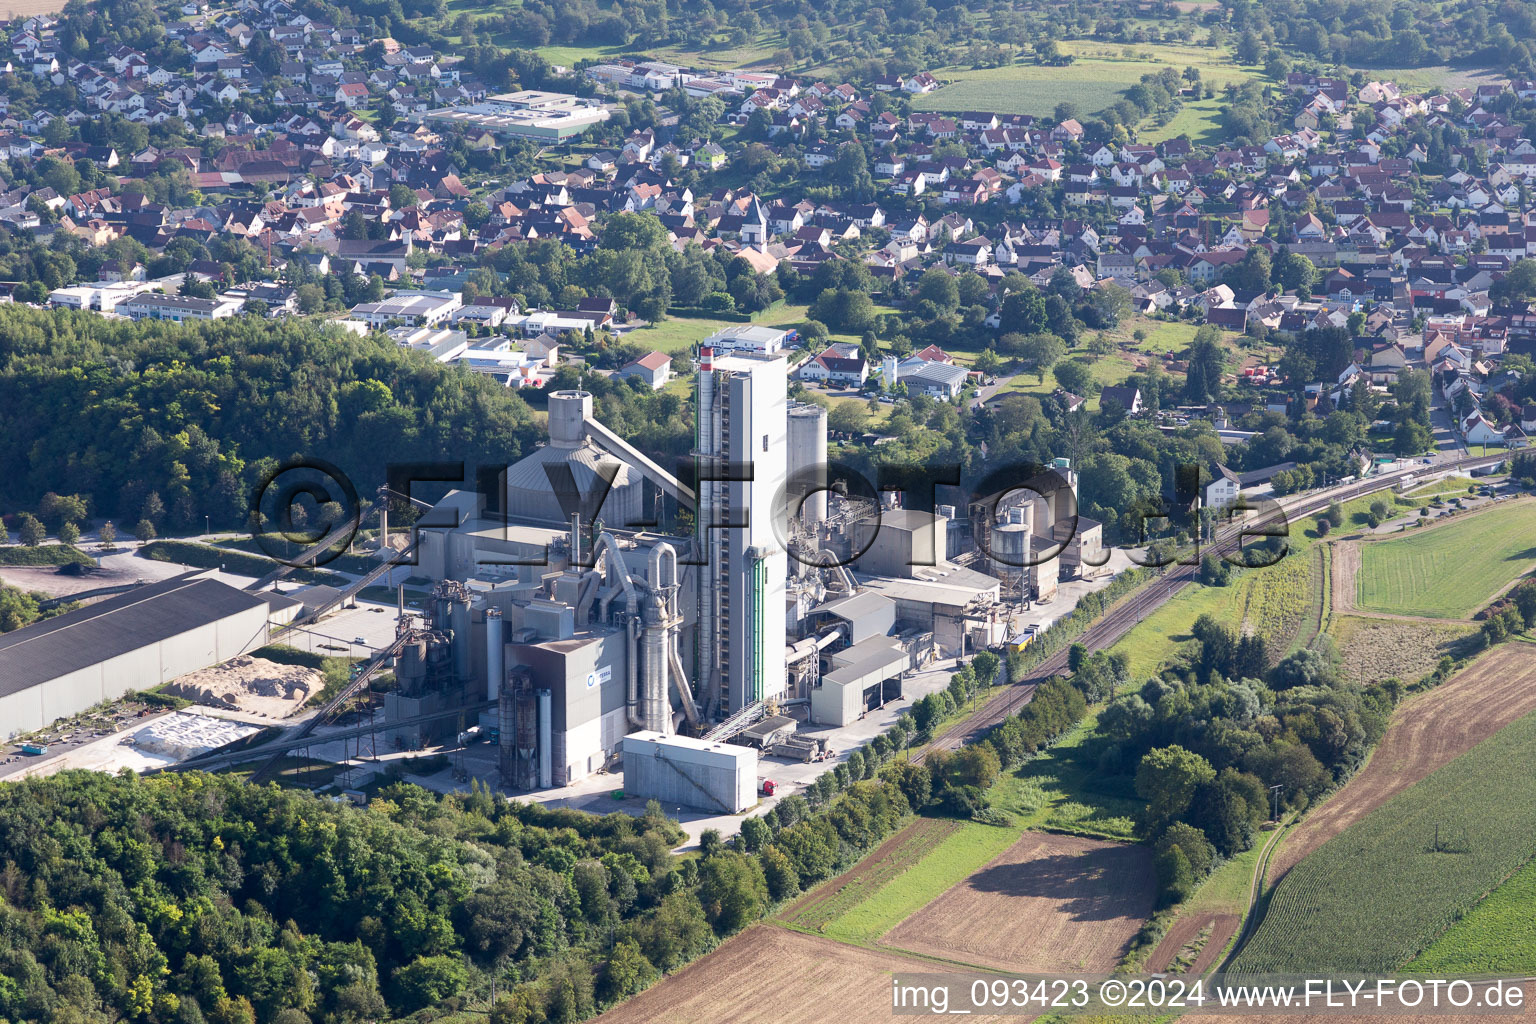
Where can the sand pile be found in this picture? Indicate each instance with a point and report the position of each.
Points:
(253, 685)
(185, 735)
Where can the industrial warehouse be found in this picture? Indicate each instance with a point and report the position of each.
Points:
(594, 615)
(134, 641)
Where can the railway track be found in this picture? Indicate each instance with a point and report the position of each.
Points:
(1122, 618)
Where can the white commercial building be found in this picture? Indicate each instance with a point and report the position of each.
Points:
(425, 309)
(747, 338)
(680, 771)
(154, 306)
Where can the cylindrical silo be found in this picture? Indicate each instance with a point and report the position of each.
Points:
(807, 457)
(506, 736)
(569, 412)
(546, 739)
(495, 654)
(1010, 547)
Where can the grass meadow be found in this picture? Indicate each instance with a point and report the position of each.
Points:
(1452, 570)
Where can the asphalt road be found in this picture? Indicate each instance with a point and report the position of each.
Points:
(1124, 617)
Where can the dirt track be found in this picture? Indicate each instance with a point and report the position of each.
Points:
(1049, 904)
(1185, 930)
(1345, 566)
(1428, 732)
(771, 975)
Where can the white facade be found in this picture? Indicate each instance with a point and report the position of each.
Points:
(677, 770)
(743, 423)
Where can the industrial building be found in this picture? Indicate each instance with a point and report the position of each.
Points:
(544, 116)
(134, 641)
(683, 772)
(613, 616)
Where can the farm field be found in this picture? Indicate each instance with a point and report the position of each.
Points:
(1375, 896)
(1049, 903)
(877, 908)
(27, 8)
(771, 975)
(1355, 1018)
(835, 897)
(1209, 919)
(1448, 571)
(1272, 600)
(1497, 937)
(1427, 732)
(1094, 81)
(1375, 649)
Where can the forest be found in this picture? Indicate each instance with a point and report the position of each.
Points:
(189, 898)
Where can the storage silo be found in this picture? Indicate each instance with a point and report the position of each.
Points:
(808, 462)
(1010, 547)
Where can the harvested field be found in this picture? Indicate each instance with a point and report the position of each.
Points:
(1427, 733)
(1344, 566)
(1193, 944)
(1373, 649)
(253, 685)
(894, 856)
(769, 975)
(1050, 903)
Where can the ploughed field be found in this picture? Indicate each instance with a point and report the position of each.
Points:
(1050, 903)
(771, 975)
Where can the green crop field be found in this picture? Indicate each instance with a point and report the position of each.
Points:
(880, 908)
(1450, 571)
(1094, 81)
(1374, 897)
(1497, 937)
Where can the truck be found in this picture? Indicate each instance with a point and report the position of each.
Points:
(34, 748)
(769, 786)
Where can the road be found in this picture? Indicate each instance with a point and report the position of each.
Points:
(986, 394)
(1124, 617)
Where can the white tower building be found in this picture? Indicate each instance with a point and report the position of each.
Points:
(742, 430)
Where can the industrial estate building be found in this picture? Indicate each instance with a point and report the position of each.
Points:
(603, 635)
(135, 641)
(546, 116)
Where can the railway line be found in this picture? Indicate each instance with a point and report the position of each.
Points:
(1122, 618)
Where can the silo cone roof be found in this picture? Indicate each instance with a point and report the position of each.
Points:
(531, 482)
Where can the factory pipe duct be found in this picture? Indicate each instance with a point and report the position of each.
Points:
(664, 580)
(632, 709)
(608, 548)
(828, 559)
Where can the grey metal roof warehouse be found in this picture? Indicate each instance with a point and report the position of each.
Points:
(116, 626)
